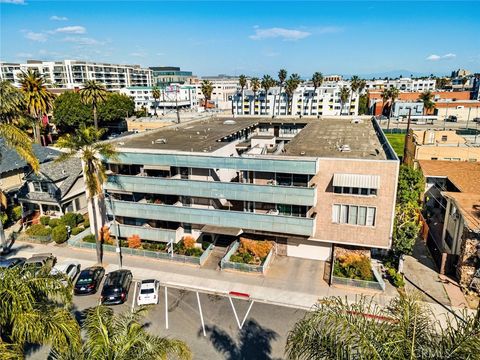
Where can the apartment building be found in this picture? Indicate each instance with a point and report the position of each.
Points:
(402, 84)
(167, 75)
(305, 183)
(441, 145)
(224, 88)
(325, 101)
(71, 74)
(171, 96)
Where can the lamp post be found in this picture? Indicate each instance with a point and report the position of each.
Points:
(119, 248)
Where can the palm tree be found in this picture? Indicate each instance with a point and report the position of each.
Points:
(85, 144)
(394, 92)
(267, 83)
(255, 84)
(38, 99)
(93, 93)
(123, 337)
(207, 89)
(242, 81)
(36, 310)
(354, 86)
(282, 76)
(156, 95)
(290, 86)
(405, 329)
(385, 97)
(427, 98)
(317, 80)
(344, 95)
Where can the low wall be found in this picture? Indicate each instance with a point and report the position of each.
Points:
(262, 269)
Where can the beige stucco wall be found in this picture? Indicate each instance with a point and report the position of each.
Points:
(376, 236)
(12, 180)
(464, 153)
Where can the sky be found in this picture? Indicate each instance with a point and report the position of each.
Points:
(249, 37)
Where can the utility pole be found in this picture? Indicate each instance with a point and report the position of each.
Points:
(406, 136)
(176, 104)
(468, 118)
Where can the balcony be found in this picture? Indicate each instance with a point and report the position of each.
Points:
(147, 233)
(213, 189)
(226, 218)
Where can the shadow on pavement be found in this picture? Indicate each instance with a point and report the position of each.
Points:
(10, 251)
(254, 342)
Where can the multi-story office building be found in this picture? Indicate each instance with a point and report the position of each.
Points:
(324, 102)
(224, 88)
(166, 75)
(403, 84)
(71, 74)
(306, 183)
(183, 96)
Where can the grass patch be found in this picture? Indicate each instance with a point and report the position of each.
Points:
(397, 141)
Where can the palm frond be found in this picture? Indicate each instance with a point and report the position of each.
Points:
(20, 142)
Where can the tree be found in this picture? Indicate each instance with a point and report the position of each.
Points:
(36, 310)
(363, 104)
(317, 80)
(70, 112)
(282, 76)
(207, 89)
(115, 108)
(385, 97)
(255, 83)
(242, 81)
(267, 83)
(38, 99)
(344, 95)
(427, 98)
(290, 86)
(85, 144)
(354, 86)
(93, 93)
(410, 185)
(405, 329)
(156, 95)
(122, 337)
(393, 92)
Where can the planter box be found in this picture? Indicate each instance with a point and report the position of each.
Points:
(378, 285)
(227, 264)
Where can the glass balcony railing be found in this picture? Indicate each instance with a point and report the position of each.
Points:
(213, 189)
(147, 233)
(226, 218)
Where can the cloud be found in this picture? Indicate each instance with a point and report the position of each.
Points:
(71, 30)
(284, 34)
(58, 18)
(83, 40)
(14, 2)
(435, 57)
(138, 54)
(40, 37)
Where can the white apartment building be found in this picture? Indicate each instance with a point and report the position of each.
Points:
(403, 84)
(224, 88)
(183, 96)
(71, 74)
(324, 102)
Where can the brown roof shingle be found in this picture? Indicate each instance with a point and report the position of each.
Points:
(469, 206)
(464, 175)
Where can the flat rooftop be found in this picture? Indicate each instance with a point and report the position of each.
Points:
(319, 137)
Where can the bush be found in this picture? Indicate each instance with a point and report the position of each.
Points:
(353, 266)
(396, 278)
(86, 223)
(39, 230)
(205, 244)
(60, 234)
(90, 238)
(77, 230)
(54, 222)
(259, 249)
(44, 220)
(134, 242)
(3, 218)
(154, 246)
(194, 252)
(188, 242)
(244, 258)
(71, 219)
(16, 213)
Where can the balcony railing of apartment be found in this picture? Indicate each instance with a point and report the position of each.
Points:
(237, 219)
(147, 233)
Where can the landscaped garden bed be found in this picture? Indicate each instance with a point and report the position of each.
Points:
(249, 255)
(56, 229)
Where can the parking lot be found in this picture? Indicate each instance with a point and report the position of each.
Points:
(262, 336)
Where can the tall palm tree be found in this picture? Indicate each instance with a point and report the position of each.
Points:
(344, 95)
(93, 93)
(290, 86)
(354, 86)
(267, 83)
(394, 92)
(405, 329)
(38, 99)
(282, 76)
(255, 84)
(207, 89)
(317, 80)
(156, 95)
(385, 97)
(123, 337)
(86, 145)
(242, 81)
(36, 310)
(427, 98)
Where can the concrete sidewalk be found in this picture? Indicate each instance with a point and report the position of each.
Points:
(295, 288)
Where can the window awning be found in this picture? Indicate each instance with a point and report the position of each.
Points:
(357, 181)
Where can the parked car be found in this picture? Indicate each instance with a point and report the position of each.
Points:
(69, 268)
(148, 292)
(38, 261)
(116, 286)
(12, 262)
(89, 280)
(477, 119)
(452, 118)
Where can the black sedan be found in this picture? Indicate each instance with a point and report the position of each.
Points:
(89, 280)
(12, 262)
(115, 287)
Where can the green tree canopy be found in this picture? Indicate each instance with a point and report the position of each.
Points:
(115, 108)
(410, 185)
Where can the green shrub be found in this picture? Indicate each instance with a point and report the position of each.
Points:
(237, 259)
(54, 222)
(77, 230)
(154, 246)
(353, 266)
(90, 238)
(205, 244)
(60, 234)
(194, 252)
(3, 218)
(39, 230)
(86, 223)
(16, 213)
(71, 219)
(44, 220)
(396, 278)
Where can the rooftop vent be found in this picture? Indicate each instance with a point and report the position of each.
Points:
(357, 121)
(229, 122)
(302, 153)
(161, 141)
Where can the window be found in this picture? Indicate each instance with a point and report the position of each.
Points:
(354, 191)
(444, 137)
(36, 186)
(353, 215)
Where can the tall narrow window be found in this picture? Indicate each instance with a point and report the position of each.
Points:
(370, 216)
(352, 215)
